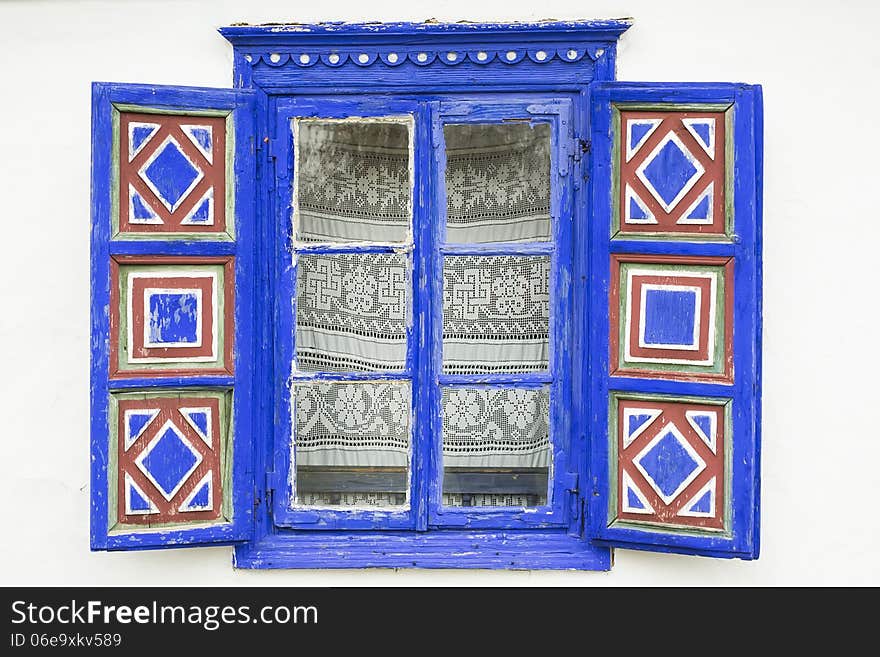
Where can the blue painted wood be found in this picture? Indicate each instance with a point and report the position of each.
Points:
(608, 29)
(554, 77)
(745, 392)
(514, 248)
(704, 248)
(284, 515)
(102, 136)
(140, 383)
(302, 377)
(531, 549)
(171, 247)
(557, 111)
(240, 103)
(307, 248)
(423, 367)
(528, 380)
(424, 58)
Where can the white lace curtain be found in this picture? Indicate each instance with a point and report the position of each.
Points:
(353, 184)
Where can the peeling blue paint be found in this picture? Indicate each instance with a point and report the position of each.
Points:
(562, 70)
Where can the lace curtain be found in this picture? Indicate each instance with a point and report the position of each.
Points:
(497, 183)
(367, 425)
(496, 314)
(351, 312)
(353, 184)
(353, 181)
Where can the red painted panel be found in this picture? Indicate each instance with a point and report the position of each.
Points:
(668, 220)
(224, 347)
(644, 370)
(672, 413)
(213, 170)
(169, 411)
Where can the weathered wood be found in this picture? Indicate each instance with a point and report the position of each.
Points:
(556, 72)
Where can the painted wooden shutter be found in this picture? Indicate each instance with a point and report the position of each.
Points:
(675, 331)
(172, 238)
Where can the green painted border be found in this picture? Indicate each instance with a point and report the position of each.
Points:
(122, 339)
(667, 528)
(229, 234)
(718, 355)
(616, 139)
(226, 454)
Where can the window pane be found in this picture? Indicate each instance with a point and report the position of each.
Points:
(496, 446)
(496, 314)
(351, 444)
(351, 312)
(353, 181)
(497, 182)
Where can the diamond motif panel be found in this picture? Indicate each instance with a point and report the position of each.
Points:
(169, 455)
(172, 174)
(171, 316)
(671, 317)
(670, 461)
(671, 167)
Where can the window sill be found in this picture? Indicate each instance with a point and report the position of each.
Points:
(512, 550)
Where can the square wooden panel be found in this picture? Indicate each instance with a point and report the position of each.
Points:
(669, 461)
(671, 173)
(171, 316)
(172, 176)
(169, 451)
(671, 317)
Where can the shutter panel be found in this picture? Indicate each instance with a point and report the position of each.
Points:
(674, 369)
(172, 237)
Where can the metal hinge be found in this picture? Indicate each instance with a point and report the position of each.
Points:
(270, 146)
(581, 147)
(575, 502)
(272, 155)
(270, 489)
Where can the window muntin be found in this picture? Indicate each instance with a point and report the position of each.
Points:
(494, 489)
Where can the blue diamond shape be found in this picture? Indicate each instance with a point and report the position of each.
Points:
(169, 462)
(171, 175)
(668, 464)
(669, 172)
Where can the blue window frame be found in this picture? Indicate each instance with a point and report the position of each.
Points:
(652, 377)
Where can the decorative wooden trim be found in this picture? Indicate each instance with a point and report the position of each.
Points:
(451, 55)
(408, 53)
(737, 385)
(221, 289)
(716, 326)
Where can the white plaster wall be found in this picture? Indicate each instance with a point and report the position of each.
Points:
(818, 63)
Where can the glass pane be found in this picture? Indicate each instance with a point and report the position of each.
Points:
(496, 314)
(352, 180)
(351, 312)
(351, 444)
(497, 182)
(496, 446)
